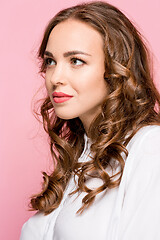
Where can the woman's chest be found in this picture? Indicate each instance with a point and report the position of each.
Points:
(91, 224)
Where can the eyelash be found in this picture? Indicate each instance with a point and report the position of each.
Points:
(47, 62)
(77, 59)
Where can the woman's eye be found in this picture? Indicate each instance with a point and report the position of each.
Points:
(77, 62)
(49, 62)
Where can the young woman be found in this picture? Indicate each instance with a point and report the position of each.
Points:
(102, 116)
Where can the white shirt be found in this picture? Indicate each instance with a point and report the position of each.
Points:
(128, 212)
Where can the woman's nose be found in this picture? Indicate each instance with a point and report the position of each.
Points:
(58, 75)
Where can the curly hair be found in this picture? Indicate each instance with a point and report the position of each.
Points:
(129, 106)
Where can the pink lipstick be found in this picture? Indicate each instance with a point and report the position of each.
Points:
(60, 97)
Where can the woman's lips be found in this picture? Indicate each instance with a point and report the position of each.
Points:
(60, 97)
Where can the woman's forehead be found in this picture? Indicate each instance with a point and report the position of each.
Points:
(72, 34)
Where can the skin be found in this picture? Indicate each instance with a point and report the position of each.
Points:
(80, 75)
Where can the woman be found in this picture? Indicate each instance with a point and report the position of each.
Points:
(102, 117)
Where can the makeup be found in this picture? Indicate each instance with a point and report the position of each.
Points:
(60, 97)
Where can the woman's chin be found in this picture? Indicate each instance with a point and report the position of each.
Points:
(66, 116)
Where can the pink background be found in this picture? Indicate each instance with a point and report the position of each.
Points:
(24, 151)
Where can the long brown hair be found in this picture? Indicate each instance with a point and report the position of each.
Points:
(129, 106)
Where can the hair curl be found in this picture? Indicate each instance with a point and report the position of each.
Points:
(129, 106)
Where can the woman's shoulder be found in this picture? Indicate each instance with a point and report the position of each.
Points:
(140, 186)
(143, 153)
(35, 227)
(147, 138)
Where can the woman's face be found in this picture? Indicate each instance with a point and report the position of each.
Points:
(75, 69)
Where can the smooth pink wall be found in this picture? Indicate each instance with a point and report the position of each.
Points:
(23, 145)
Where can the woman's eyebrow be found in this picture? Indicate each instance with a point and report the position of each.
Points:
(47, 53)
(67, 54)
(70, 53)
